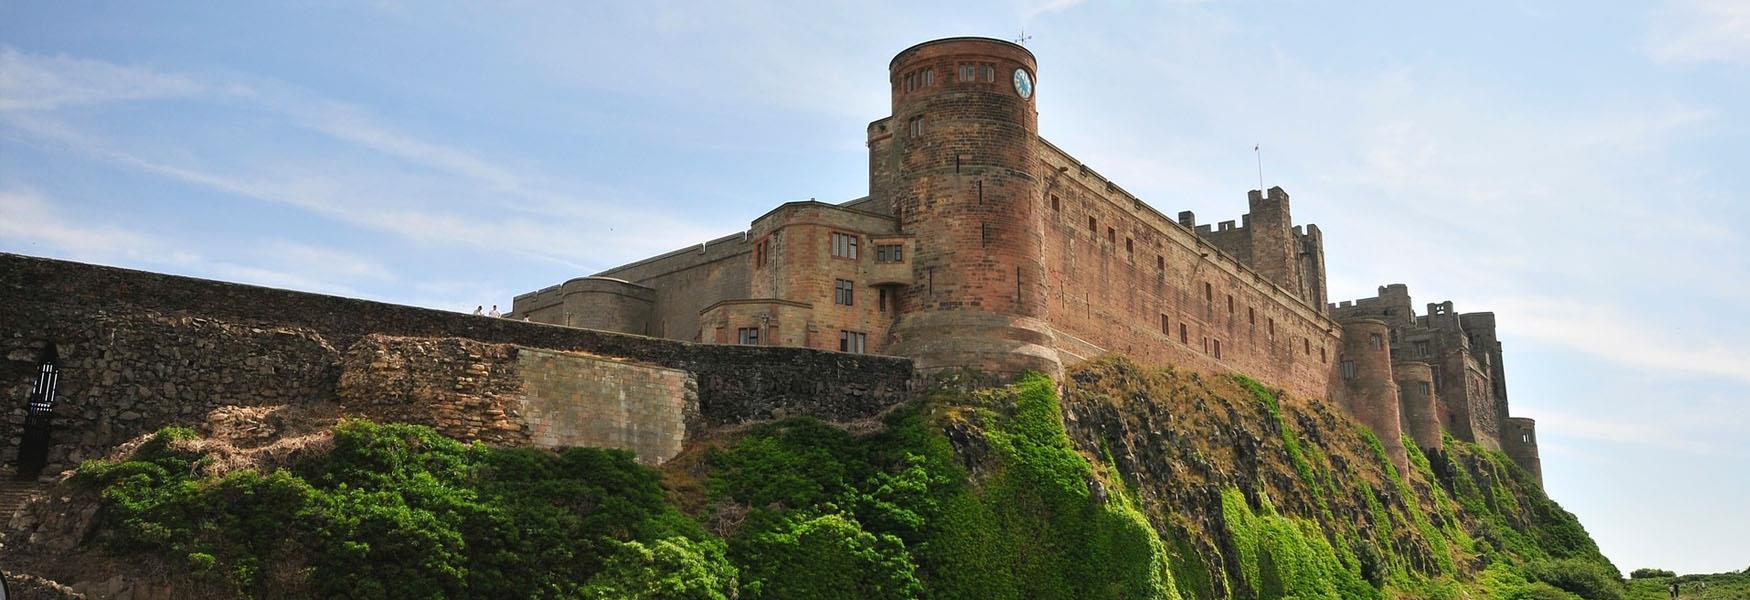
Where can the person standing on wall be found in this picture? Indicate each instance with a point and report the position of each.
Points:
(479, 310)
(494, 312)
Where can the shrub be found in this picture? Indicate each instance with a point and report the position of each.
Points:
(1584, 578)
(1650, 573)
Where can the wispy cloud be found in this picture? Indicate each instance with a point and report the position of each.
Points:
(30, 82)
(1702, 31)
(427, 192)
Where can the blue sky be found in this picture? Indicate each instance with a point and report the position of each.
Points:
(1576, 167)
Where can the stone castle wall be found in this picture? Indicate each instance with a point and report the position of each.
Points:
(1116, 267)
(143, 350)
(512, 395)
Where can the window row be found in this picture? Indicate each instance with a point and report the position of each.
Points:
(1213, 345)
(849, 341)
(923, 78)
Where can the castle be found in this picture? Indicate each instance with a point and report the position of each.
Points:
(982, 245)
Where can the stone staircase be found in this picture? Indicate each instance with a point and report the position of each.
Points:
(13, 493)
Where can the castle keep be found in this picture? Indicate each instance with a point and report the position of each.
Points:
(981, 245)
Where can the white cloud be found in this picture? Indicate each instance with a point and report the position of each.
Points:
(29, 82)
(1702, 31)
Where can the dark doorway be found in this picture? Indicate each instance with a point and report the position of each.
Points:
(33, 452)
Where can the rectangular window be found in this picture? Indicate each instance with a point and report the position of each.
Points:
(1184, 334)
(1272, 329)
(1252, 318)
(917, 126)
(1054, 204)
(1230, 305)
(1208, 293)
(929, 77)
(1373, 339)
(989, 72)
(889, 253)
(1160, 263)
(1348, 369)
(1307, 343)
(851, 341)
(1092, 227)
(1217, 348)
(844, 245)
(967, 72)
(1422, 348)
(911, 80)
(1112, 235)
(1165, 329)
(748, 336)
(759, 253)
(881, 296)
(1130, 247)
(1322, 358)
(842, 292)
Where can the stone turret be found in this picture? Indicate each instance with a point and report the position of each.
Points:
(1365, 388)
(1519, 441)
(965, 142)
(1416, 406)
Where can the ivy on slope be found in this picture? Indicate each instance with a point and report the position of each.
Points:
(1016, 512)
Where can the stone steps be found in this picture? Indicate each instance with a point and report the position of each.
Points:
(13, 493)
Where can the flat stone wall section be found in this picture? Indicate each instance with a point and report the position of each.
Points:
(466, 389)
(571, 399)
(127, 374)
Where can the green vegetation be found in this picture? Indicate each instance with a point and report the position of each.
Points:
(964, 494)
(400, 511)
(1722, 586)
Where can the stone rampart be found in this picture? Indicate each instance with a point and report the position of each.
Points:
(144, 350)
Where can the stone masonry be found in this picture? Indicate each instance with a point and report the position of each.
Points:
(982, 245)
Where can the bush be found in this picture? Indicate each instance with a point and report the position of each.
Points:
(1650, 574)
(1585, 579)
(828, 556)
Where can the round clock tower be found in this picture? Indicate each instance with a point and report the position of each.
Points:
(967, 142)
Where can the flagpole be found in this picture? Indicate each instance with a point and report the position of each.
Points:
(1260, 153)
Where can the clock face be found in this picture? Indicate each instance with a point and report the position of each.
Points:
(1023, 83)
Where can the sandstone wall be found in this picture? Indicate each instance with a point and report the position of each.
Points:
(1116, 267)
(510, 395)
(144, 350)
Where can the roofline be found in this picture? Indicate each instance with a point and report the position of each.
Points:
(964, 38)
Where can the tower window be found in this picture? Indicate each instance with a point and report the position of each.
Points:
(1208, 293)
(844, 245)
(1130, 247)
(1093, 228)
(852, 341)
(1252, 318)
(748, 336)
(1217, 348)
(917, 126)
(988, 73)
(1322, 358)
(760, 253)
(1348, 369)
(889, 253)
(1230, 304)
(968, 72)
(1272, 329)
(843, 292)
(1373, 340)
(929, 77)
(1054, 204)
(1160, 263)
(1306, 344)
(1165, 328)
(1111, 235)
(1184, 334)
